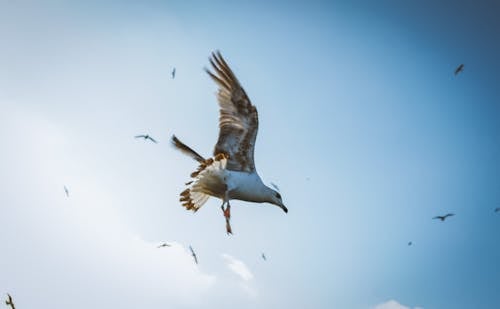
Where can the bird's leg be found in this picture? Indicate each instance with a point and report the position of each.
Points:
(227, 214)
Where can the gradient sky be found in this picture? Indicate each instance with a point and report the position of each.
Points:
(363, 126)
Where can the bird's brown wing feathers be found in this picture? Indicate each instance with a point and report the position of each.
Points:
(238, 120)
(186, 149)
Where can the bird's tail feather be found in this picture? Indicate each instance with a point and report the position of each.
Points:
(208, 180)
(186, 149)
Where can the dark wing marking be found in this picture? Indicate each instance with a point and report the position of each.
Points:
(238, 120)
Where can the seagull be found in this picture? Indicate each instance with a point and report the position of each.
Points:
(230, 174)
(264, 257)
(193, 254)
(459, 69)
(9, 302)
(66, 191)
(164, 245)
(173, 73)
(146, 137)
(442, 218)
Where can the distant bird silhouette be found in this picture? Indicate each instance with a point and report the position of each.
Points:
(9, 302)
(66, 191)
(497, 209)
(146, 137)
(459, 69)
(442, 218)
(173, 73)
(264, 257)
(410, 243)
(193, 254)
(164, 245)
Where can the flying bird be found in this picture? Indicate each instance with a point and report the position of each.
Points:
(230, 174)
(459, 69)
(173, 73)
(264, 257)
(146, 137)
(66, 191)
(410, 243)
(193, 254)
(164, 245)
(497, 209)
(10, 302)
(442, 218)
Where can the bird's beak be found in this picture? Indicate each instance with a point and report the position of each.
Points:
(280, 205)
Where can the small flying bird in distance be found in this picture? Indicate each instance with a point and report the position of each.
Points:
(459, 69)
(10, 302)
(231, 173)
(66, 191)
(410, 243)
(146, 137)
(264, 257)
(173, 73)
(497, 209)
(164, 245)
(193, 254)
(442, 218)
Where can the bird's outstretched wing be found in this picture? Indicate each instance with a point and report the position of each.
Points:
(438, 217)
(449, 215)
(186, 149)
(9, 302)
(459, 69)
(140, 136)
(152, 139)
(238, 120)
(194, 255)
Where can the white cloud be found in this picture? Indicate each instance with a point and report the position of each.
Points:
(243, 272)
(392, 304)
(238, 267)
(78, 249)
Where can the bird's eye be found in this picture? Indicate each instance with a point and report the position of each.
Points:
(278, 195)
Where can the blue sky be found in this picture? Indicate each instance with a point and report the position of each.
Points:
(363, 126)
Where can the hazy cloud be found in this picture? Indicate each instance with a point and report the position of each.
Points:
(238, 267)
(392, 304)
